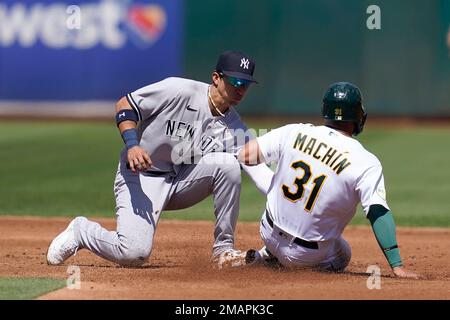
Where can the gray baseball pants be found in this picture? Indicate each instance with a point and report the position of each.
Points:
(140, 199)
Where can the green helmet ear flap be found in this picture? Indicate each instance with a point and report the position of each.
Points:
(360, 126)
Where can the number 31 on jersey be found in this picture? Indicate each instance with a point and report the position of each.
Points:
(300, 183)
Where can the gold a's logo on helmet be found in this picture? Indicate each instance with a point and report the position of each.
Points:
(338, 113)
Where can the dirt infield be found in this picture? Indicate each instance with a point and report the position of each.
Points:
(179, 267)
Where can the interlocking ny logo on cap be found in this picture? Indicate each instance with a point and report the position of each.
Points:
(340, 94)
(244, 63)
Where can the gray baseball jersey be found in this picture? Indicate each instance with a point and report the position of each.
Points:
(177, 126)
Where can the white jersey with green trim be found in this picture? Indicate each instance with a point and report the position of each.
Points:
(320, 178)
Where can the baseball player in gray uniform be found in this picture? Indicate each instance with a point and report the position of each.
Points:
(322, 174)
(181, 141)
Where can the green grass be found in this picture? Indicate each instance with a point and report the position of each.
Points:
(68, 168)
(27, 288)
(57, 169)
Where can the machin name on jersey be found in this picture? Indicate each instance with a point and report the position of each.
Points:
(321, 151)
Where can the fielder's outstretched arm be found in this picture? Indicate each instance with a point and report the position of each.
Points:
(383, 226)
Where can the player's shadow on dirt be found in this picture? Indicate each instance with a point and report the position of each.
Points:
(361, 274)
(331, 273)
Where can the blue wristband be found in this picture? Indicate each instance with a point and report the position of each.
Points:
(130, 138)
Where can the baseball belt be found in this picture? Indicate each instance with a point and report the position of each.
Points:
(298, 241)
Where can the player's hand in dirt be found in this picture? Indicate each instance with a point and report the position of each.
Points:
(138, 159)
(401, 272)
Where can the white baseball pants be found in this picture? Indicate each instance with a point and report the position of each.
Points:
(332, 255)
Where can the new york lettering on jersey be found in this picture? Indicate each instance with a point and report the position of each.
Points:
(179, 125)
(191, 142)
(180, 130)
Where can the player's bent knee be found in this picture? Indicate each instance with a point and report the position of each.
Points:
(346, 253)
(223, 164)
(231, 168)
(134, 258)
(133, 255)
(343, 257)
(220, 159)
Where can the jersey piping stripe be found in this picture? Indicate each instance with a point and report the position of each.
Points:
(134, 106)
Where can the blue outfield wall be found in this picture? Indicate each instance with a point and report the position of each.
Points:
(120, 46)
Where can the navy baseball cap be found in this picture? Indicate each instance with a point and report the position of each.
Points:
(236, 64)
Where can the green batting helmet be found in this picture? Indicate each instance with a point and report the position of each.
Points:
(343, 102)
